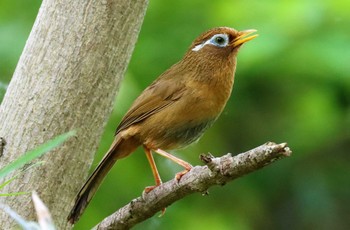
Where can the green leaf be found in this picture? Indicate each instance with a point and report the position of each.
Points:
(31, 155)
(14, 193)
(15, 176)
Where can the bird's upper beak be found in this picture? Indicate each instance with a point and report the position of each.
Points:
(243, 37)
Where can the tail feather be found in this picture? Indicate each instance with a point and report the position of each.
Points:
(90, 187)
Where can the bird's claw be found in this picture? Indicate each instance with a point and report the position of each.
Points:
(179, 175)
(148, 189)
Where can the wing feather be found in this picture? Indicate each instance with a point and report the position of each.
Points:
(156, 97)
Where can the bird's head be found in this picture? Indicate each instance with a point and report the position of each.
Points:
(221, 42)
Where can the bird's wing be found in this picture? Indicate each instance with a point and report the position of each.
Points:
(153, 99)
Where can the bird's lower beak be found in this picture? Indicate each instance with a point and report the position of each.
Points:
(243, 37)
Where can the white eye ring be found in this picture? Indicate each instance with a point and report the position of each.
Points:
(218, 40)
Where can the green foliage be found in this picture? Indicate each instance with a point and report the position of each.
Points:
(37, 152)
(27, 158)
(20, 162)
(12, 165)
(292, 84)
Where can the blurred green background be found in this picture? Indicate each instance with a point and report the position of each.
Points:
(292, 85)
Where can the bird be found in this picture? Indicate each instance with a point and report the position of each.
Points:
(175, 109)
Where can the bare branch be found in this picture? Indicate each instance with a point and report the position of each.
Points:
(217, 171)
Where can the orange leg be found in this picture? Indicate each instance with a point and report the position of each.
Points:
(155, 172)
(179, 161)
(154, 169)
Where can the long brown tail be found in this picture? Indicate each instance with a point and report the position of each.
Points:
(120, 148)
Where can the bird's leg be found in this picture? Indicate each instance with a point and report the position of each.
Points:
(156, 175)
(155, 172)
(179, 161)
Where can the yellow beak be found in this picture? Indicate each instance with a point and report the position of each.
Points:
(242, 38)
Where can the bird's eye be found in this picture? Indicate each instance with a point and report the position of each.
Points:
(220, 40)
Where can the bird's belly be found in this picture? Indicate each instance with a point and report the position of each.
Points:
(177, 126)
(186, 134)
(175, 136)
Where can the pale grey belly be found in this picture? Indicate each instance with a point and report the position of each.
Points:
(186, 134)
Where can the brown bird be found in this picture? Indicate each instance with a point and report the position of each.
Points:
(175, 109)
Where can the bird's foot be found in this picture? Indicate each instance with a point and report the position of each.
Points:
(179, 175)
(150, 188)
(147, 190)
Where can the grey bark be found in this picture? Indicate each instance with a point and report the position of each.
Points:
(67, 78)
(217, 171)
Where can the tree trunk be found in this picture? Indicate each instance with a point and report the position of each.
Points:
(67, 78)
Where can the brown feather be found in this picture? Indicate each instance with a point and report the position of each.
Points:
(119, 148)
(154, 98)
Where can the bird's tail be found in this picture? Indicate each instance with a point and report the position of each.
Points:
(119, 149)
